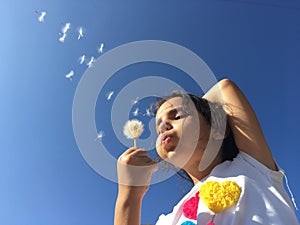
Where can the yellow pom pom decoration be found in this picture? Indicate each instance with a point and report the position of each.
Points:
(219, 196)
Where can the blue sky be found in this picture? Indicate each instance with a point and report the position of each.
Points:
(44, 177)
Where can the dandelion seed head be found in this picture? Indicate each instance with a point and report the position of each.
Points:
(133, 129)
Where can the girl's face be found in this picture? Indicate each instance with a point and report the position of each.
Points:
(178, 126)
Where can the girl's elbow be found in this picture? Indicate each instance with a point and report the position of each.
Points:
(227, 85)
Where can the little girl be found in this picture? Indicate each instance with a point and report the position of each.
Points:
(218, 142)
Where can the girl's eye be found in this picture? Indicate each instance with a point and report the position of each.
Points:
(180, 116)
(177, 117)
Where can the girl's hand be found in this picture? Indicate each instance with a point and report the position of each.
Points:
(135, 168)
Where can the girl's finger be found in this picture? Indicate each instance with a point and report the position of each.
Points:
(138, 152)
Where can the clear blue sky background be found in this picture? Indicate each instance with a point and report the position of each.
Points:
(43, 177)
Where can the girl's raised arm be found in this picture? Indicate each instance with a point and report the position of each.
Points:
(244, 124)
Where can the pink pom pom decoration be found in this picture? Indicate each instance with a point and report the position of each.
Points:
(210, 223)
(190, 207)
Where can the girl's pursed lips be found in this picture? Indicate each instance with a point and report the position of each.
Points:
(164, 138)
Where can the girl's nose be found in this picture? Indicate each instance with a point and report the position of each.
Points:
(164, 126)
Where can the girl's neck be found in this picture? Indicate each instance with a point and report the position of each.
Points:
(197, 175)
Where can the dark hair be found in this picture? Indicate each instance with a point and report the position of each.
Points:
(217, 122)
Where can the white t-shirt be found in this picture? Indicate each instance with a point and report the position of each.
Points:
(263, 199)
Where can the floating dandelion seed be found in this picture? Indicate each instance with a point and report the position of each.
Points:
(65, 28)
(100, 49)
(90, 63)
(148, 112)
(63, 33)
(80, 33)
(135, 112)
(100, 135)
(135, 101)
(62, 38)
(41, 17)
(133, 129)
(70, 75)
(82, 59)
(109, 95)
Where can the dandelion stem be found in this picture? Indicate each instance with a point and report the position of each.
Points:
(134, 142)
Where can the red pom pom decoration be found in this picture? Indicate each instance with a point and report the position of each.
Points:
(190, 207)
(210, 223)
